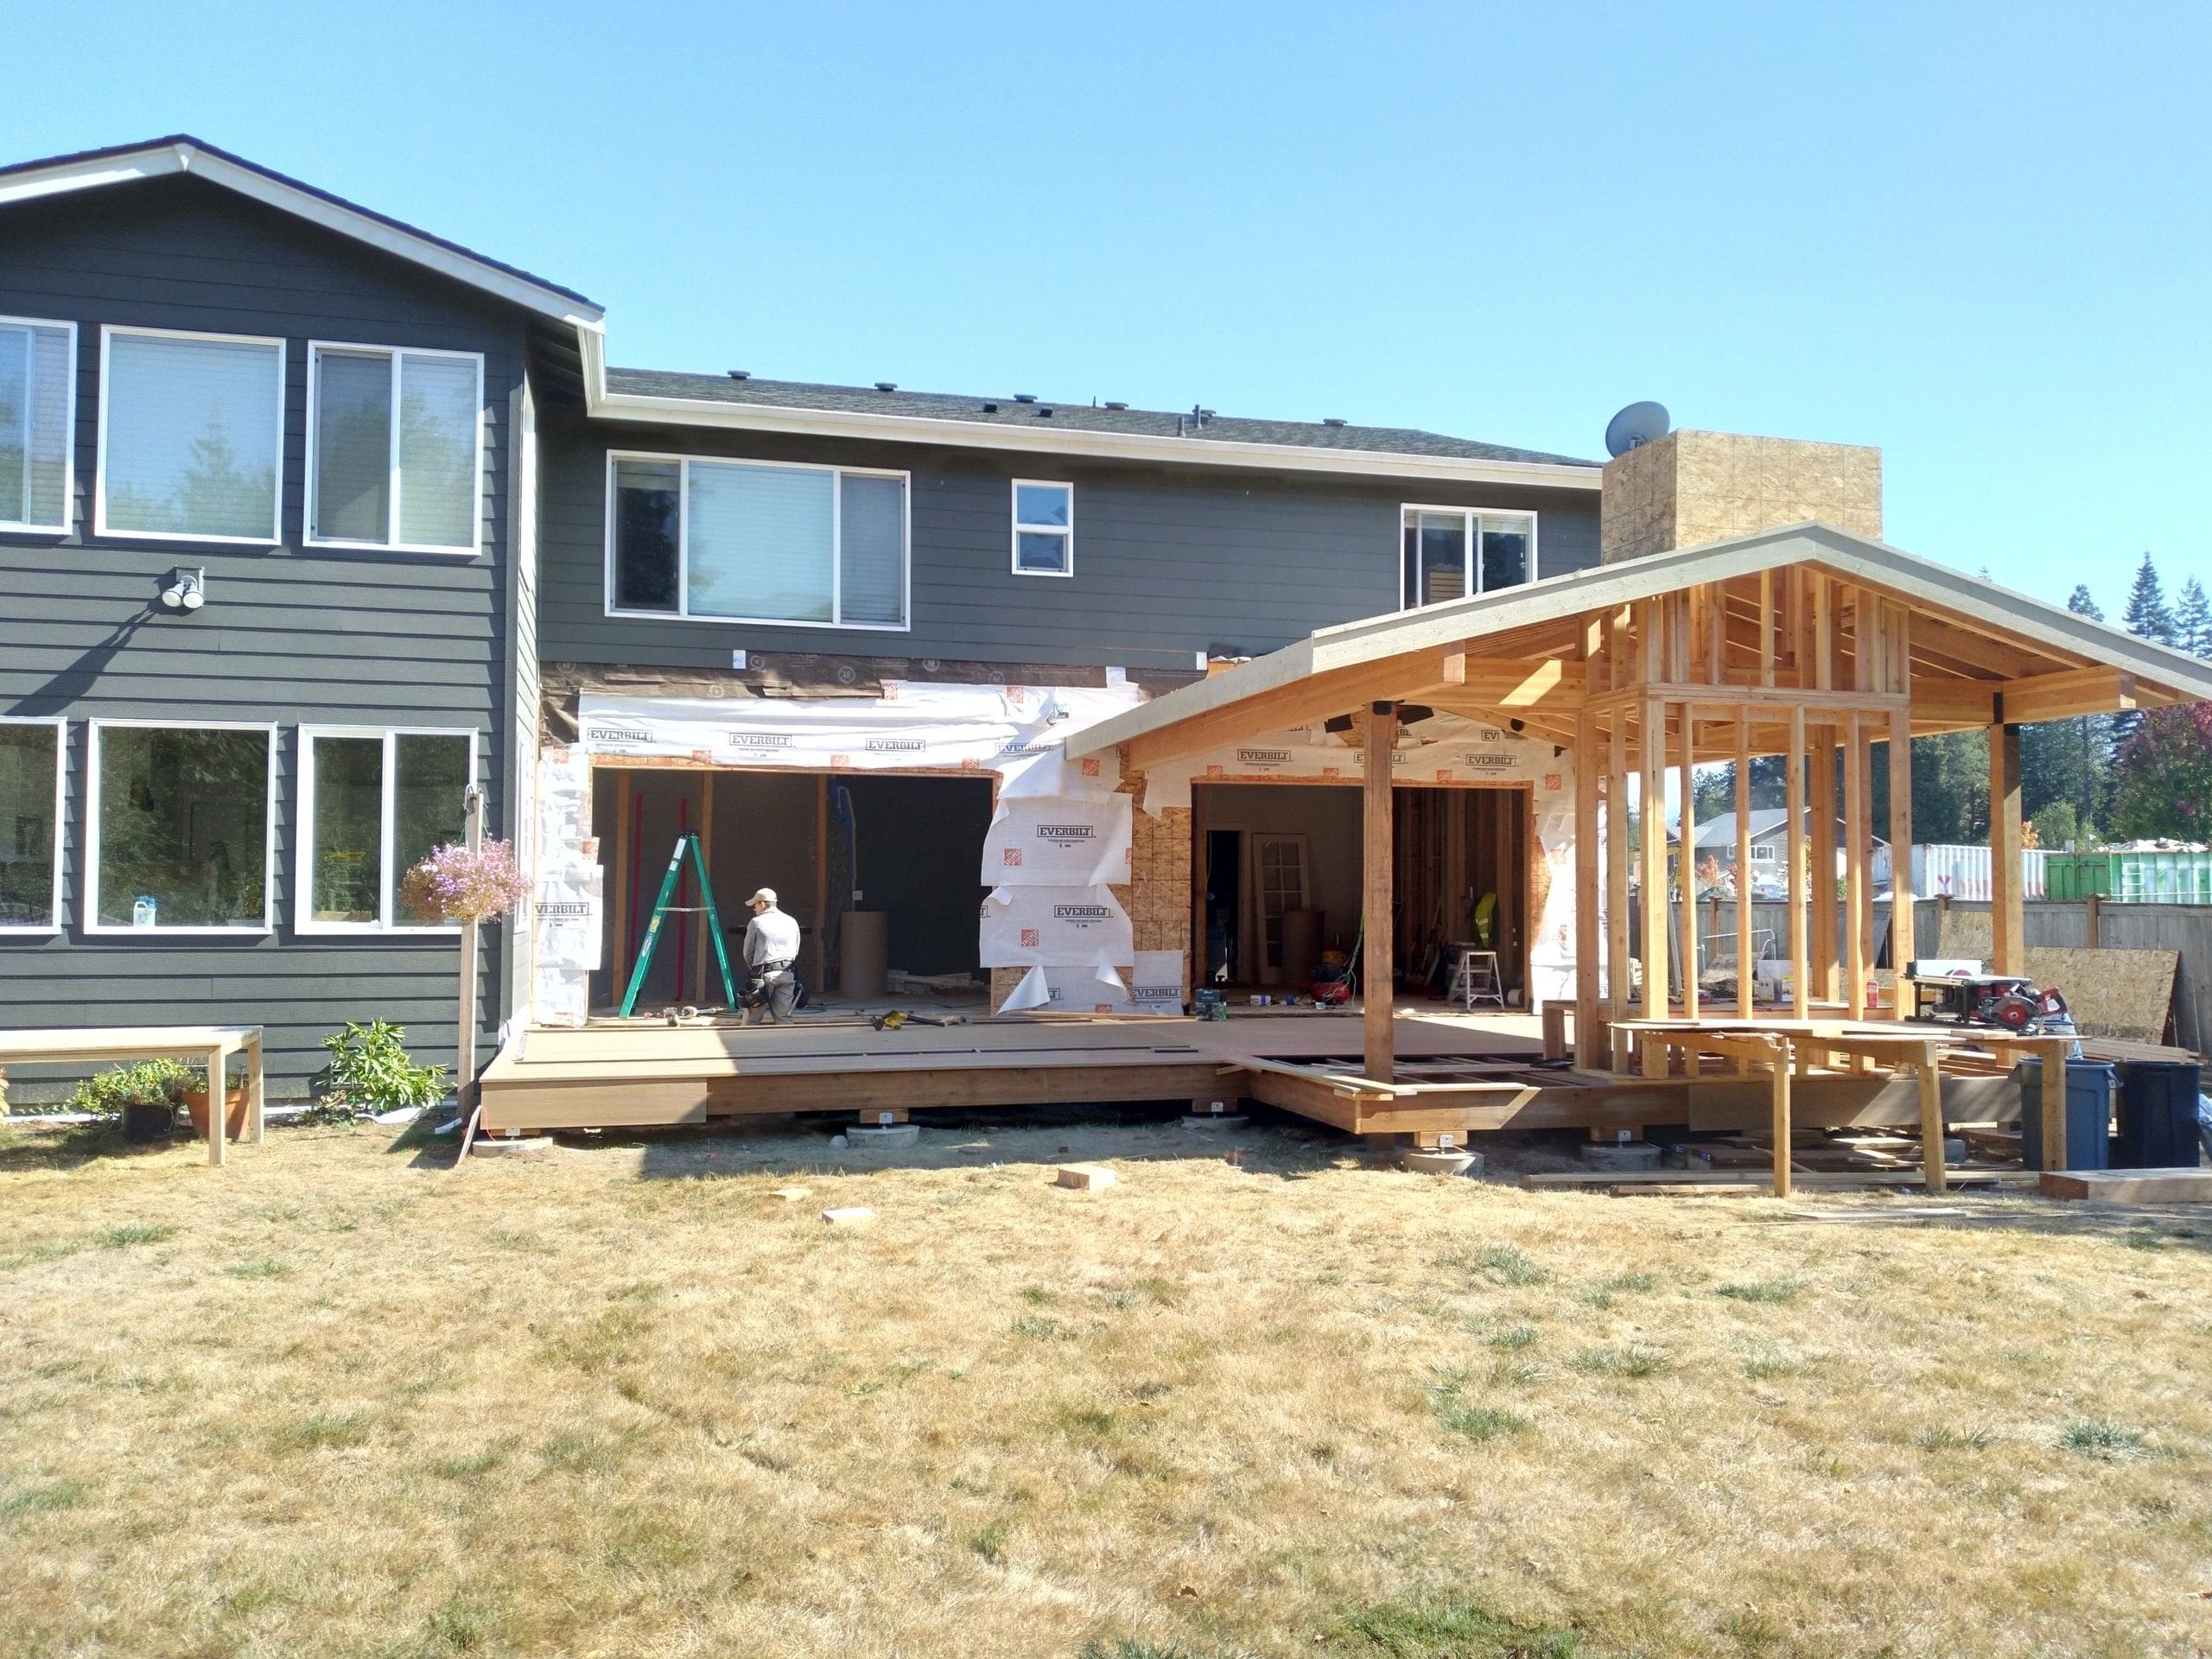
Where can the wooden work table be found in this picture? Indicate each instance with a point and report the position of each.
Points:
(1786, 1047)
(208, 1046)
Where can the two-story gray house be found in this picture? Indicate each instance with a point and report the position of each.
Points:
(309, 518)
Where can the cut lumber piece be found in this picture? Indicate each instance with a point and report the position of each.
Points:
(2129, 1186)
(854, 1215)
(1085, 1178)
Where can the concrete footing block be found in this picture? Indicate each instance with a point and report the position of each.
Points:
(1434, 1161)
(1627, 1155)
(884, 1134)
(1204, 1121)
(1084, 1178)
(526, 1146)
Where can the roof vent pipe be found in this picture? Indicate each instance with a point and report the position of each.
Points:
(1333, 420)
(1024, 396)
(741, 374)
(887, 386)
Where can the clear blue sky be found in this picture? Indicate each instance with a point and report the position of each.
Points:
(1979, 237)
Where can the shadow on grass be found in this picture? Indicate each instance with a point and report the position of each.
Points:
(25, 1145)
(2146, 1226)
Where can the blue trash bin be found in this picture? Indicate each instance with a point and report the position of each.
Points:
(2089, 1114)
(2158, 1115)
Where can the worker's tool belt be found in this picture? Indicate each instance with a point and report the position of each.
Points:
(756, 985)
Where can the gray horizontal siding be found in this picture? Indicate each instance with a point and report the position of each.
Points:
(292, 635)
(1167, 563)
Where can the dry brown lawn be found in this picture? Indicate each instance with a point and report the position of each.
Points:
(340, 1399)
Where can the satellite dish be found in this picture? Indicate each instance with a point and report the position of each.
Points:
(1636, 424)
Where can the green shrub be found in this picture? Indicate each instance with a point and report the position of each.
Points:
(369, 1071)
(148, 1082)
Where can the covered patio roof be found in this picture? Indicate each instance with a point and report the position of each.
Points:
(1979, 654)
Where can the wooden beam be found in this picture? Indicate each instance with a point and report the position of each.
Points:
(1652, 809)
(2064, 696)
(619, 879)
(706, 879)
(1778, 1081)
(1586, 964)
(1766, 627)
(1687, 873)
(1379, 948)
(1743, 963)
(1317, 697)
(1820, 877)
(1931, 1118)
(1954, 701)
(1856, 838)
(1801, 949)
(2007, 915)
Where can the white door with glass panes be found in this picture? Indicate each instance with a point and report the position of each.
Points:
(1279, 882)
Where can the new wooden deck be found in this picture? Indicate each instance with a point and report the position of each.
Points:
(1457, 1074)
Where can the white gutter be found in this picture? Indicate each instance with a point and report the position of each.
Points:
(603, 404)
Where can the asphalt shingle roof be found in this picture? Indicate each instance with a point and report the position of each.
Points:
(1003, 410)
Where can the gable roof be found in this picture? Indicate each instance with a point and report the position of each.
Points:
(1375, 641)
(181, 153)
(1719, 830)
(1016, 419)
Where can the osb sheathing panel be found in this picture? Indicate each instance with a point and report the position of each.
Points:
(1689, 488)
(2124, 994)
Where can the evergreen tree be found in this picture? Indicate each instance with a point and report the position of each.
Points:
(2147, 616)
(2081, 602)
(2193, 620)
(2092, 739)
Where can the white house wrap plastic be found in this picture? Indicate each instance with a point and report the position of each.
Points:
(1057, 841)
(1159, 987)
(566, 906)
(1059, 927)
(1072, 990)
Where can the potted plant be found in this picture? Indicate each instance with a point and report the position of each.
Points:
(195, 1092)
(143, 1094)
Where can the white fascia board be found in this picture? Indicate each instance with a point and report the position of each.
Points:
(1437, 627)
(164, 160)
(1115, 446)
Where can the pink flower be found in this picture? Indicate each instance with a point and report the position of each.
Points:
(458, 886)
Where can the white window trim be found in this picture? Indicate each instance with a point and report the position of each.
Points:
(1470, 562)
(1066, 532)
(275, 538)
(683, 611)
(309, 538)
(303, 917)
(61, 805)
(93, 924)
(24, 527)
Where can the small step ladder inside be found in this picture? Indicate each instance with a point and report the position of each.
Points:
(1475, 979)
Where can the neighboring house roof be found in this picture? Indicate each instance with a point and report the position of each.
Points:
(1718, 833)
(1377, 639)
(93, 169)
(1007, 412)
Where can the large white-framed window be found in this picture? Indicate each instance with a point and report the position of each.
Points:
(1452, 552)
(395, 448)
(787, 546)
(181, 827)
(38, 424)
(1044, 528)
(33, 752)
(191, 437)
(373, 802)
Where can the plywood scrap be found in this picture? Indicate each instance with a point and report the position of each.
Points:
(2129, 1186)
(1084, 1178)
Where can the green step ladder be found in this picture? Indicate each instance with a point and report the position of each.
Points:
(686, 842)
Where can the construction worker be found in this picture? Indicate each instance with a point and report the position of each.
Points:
(771, 948)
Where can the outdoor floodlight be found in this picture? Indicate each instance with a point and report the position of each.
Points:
(187, 590)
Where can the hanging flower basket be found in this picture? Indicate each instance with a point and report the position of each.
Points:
(456, 885)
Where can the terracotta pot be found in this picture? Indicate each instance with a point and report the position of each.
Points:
(195, 1102)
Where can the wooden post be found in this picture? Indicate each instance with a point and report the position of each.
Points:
(1745, 941)
(1586, 890)
(1855, 836)
(2007, 914)
(1779, 1084)
(822, 879)
(2092, 918)
(1616, 863)
(2053, 1056)
(1904, 945)
(1801, 958)
(219, 1102)
(706, 881)
(1652, 808)
(464, 1064)
(1687, 873)
(619, 879)
(1822, 874)
(1766, 627)
(255, 1088)
(1378, 954)
(1931, 1119)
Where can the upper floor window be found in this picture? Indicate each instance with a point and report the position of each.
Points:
(733, 541)
(1450, 552)
(1044, 529)
(394, 448)
(38, 413)
(192, 435)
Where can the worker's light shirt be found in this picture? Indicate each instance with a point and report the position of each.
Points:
(771, 936)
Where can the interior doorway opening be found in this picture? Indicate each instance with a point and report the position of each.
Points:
(881, 871)
(1278, 887)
